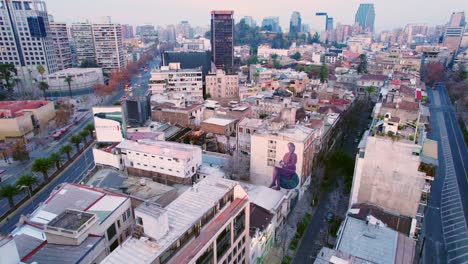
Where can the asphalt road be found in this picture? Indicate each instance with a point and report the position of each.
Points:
(445, 232)
(19, 169)
(73, 173)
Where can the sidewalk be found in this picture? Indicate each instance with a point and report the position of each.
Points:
(281, 247)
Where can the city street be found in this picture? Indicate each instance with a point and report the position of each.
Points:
(13, 172)
(444, 230)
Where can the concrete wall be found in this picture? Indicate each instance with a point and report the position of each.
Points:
(106, 158)
(260, 172)
(388, 176)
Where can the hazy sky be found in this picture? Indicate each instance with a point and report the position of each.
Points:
(389, 13)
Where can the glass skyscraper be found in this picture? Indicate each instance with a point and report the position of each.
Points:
(365, 16)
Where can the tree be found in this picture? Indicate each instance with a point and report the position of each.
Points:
(9, 191)
(323, 74)
(63, 114)
(66, 149)
(42, 165)
(6, 73)
(369, 90)
(433, 72)
(27, 180)
(68, 80)
(56, 158)
(362, 66)
(90, 129)
(41, 70)
(296, 56)
(20, 153)
(76, 140)
(43, 86)
(84, 133)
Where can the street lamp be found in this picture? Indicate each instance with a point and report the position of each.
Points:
(27, 188)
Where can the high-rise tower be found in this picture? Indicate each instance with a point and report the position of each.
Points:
(365, 16)
(222, 39)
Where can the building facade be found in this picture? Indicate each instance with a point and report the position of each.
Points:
(222, 39)
(61, 44)
(172, 80)
(165, 162)
(222, 86)
(108, 47)
(83, 40)
(26, 39)
(365, 17)
(295, 23)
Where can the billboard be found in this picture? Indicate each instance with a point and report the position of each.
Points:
(110, 123)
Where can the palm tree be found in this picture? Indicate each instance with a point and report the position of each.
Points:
(369, 90)
(76, 140)
(68, 80)
(41, 71)
(90, 128)
(66, 149)
(9, 191)
(27, 180)
(84, 133)
(43, 86)
(42, 165)
(56, 158)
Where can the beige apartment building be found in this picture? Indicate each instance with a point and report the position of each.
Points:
(20, 118)
(222, 86)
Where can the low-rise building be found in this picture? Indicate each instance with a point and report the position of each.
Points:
(375, 80)
(371, 241)
(165, 162)
(189, 116)
(82, 81)
(208, 223)
(219, 125)
(220, 85)
(79, 222)
(20, 118)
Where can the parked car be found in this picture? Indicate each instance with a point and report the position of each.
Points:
(330, 216)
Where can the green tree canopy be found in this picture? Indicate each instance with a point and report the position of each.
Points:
(9, 191)
(27, 180)
(42, 165)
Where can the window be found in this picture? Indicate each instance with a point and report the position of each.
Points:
(239, 225)
(118, 223)
(223, 242)
(17, 5)
(124, 216)
(139, 220)
(271, 162)
(129, 213)
(27, 6)
(111, 232)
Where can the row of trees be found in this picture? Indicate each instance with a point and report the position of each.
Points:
(43, 165)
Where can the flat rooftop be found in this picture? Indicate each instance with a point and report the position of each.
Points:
(182, 213)
(70, 220)
(73, 71)
(295, 134)
(160, 148)
(219, 121)
(14, 108)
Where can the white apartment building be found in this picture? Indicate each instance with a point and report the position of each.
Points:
(266, 52)
(84, 42)
(208, 223)
(71, 215)
(108, 46)
(172, 80)
(61, 45)
(25, 37)
(166, 162)
(245, 128)
(101, 43)
(268, 147)
(222, 86)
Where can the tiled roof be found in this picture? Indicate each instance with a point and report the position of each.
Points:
(398, 223)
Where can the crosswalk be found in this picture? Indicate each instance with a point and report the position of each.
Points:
(452, 215)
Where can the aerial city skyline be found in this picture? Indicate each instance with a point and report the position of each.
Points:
(197, 12)
(233, 132)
